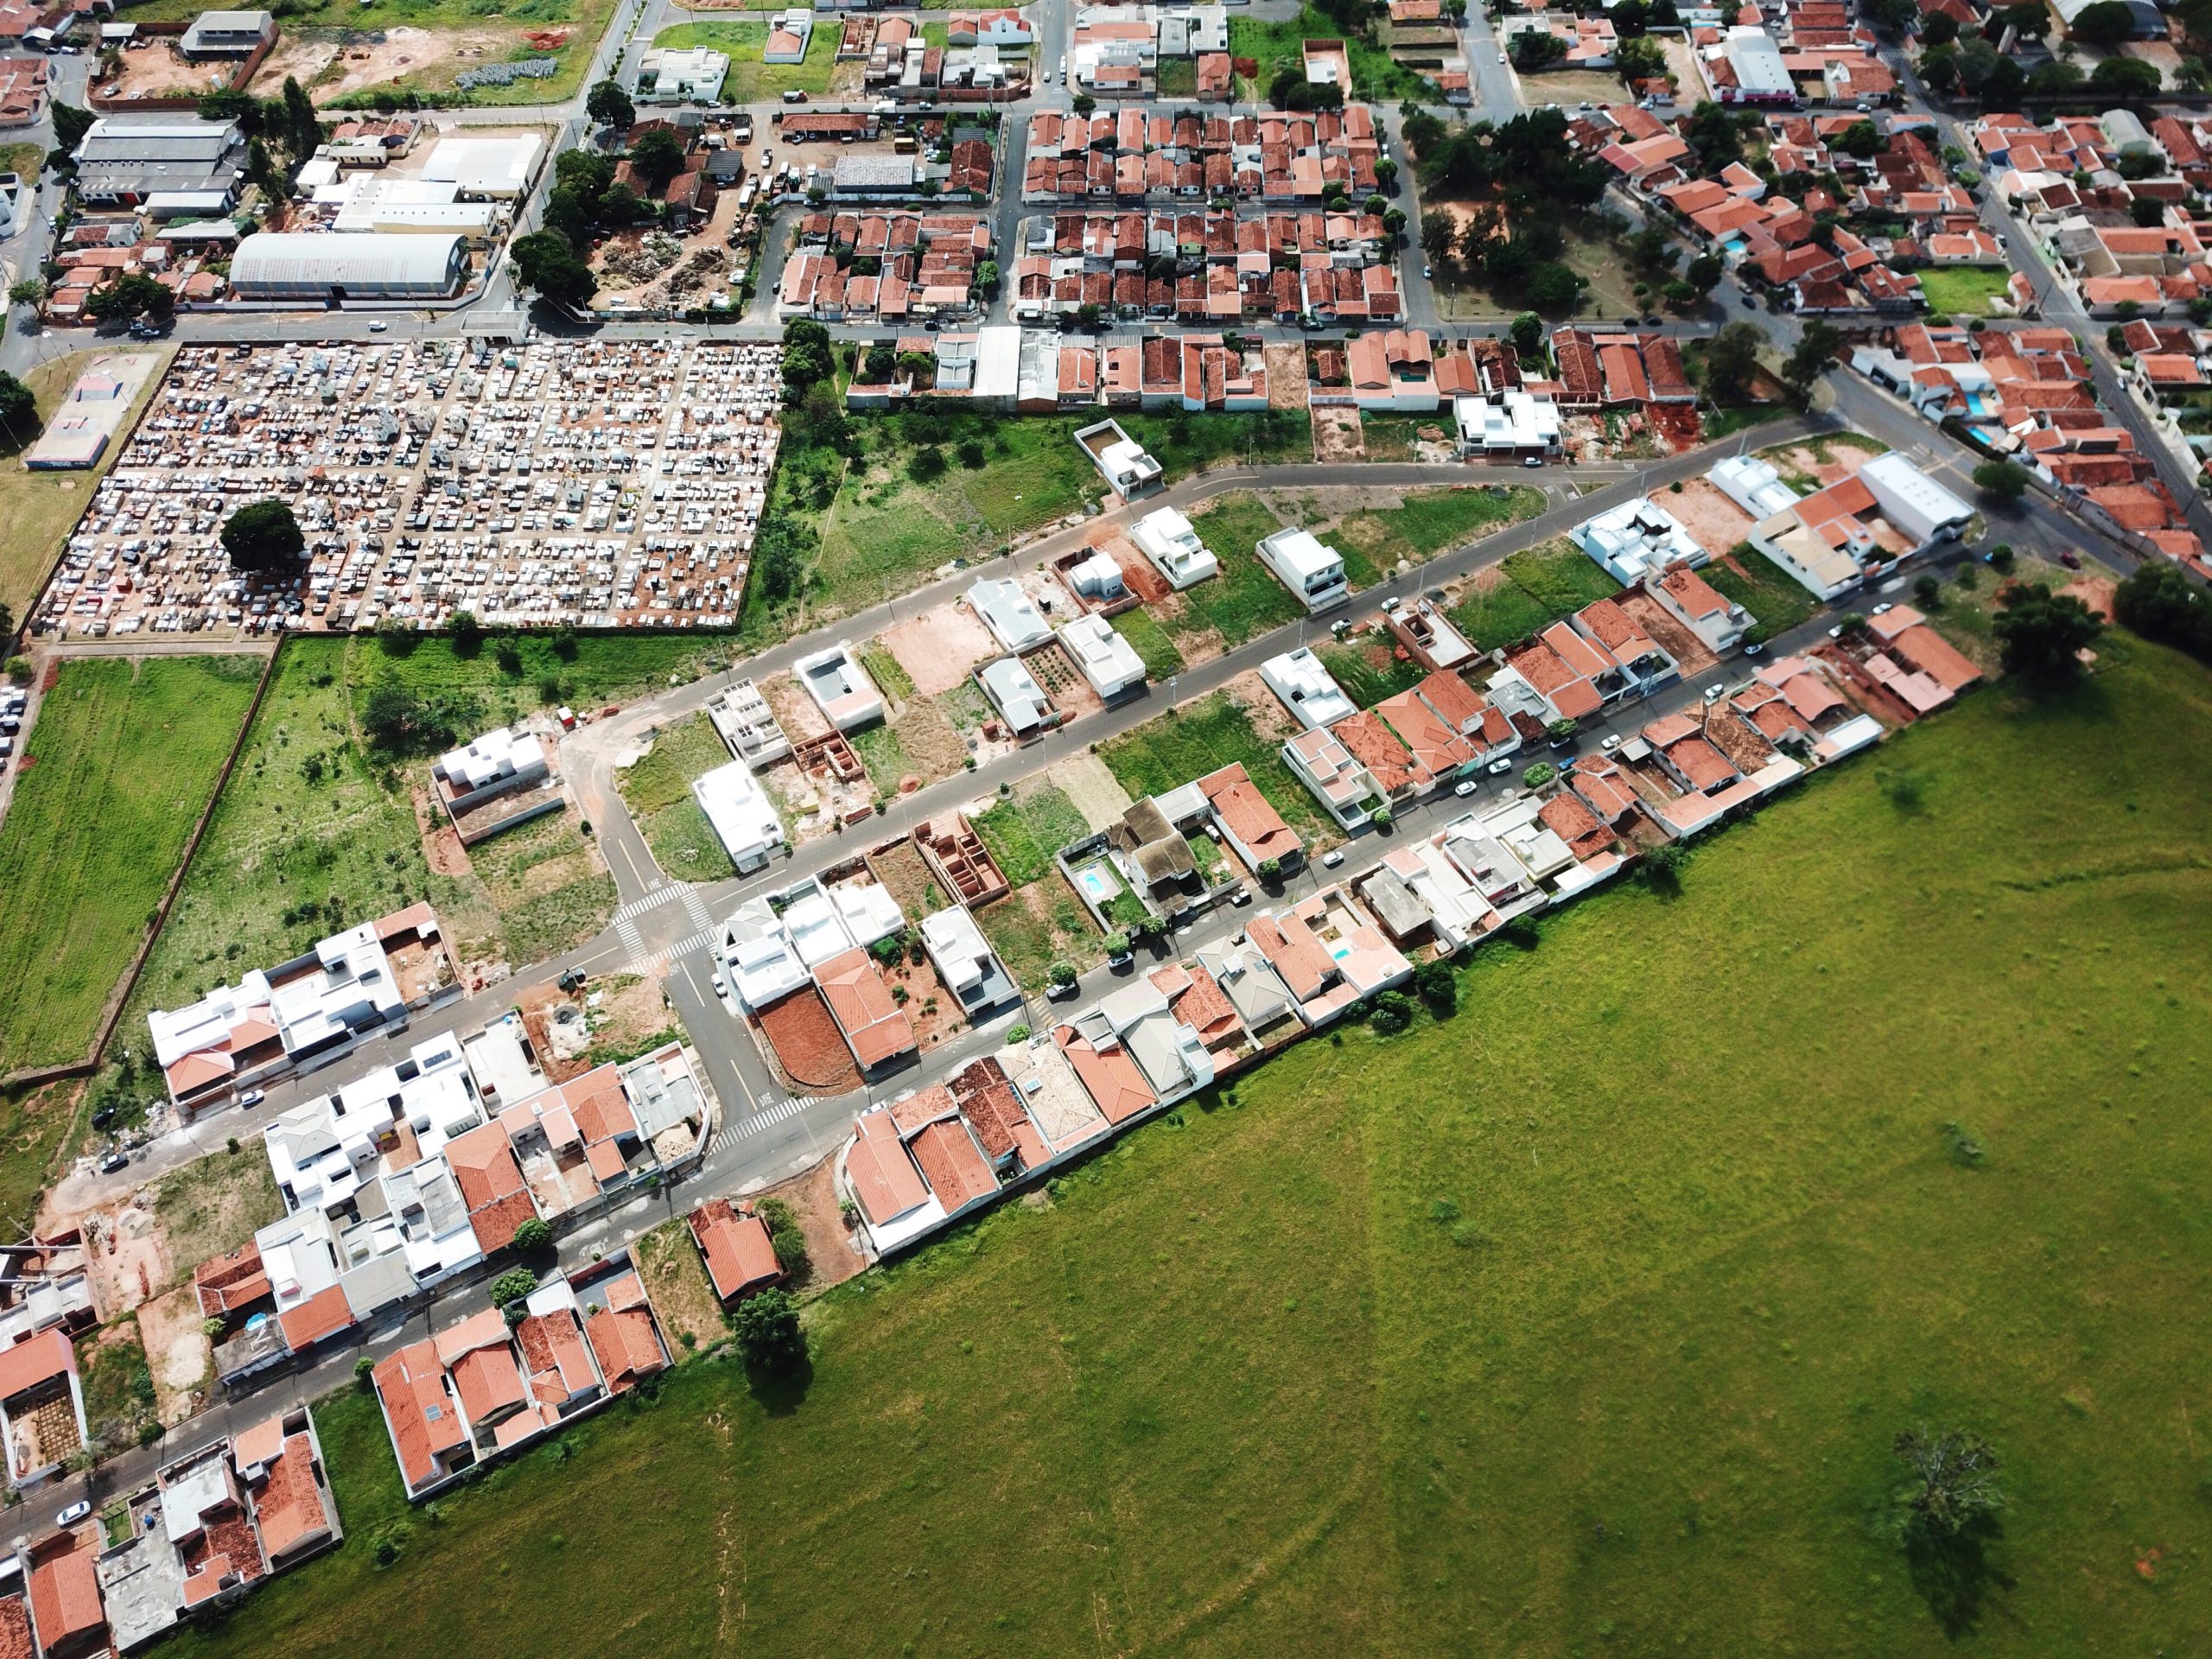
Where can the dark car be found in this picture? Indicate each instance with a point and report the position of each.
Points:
(114, 1161)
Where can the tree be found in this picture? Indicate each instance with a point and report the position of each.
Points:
(1062, 973)
(1652, 249)
(768, 1335)
(2001, 480)
(1082, 103)
(807, 360)
(1715, 135)
(1861, 138)
(1661, 867)
(2191, 75)
(18, 416)
(546, 265)
(1704, 273)
(1940, 29)
(610, 106)
(1554, 287)
(1527, 333)
(1438, 986)
(1393, 1011)
(2040, 632)
(656, 156)
(137, 294)
(1386, 172)
(2002, 86)
(1641, 59)
(2055, 78)
(878, 363)
(2031, 19)
(1953, 1481)
(70, 124)
(1537, 49)
(533, 1235)
(1731, 361)
(2160, 603)
(31, 290)
(1815, 352)
(2147, 212)
(2126, 78)
(2107, 24)
(262, 536)
(511, 1287)
(987, 279)
(1438, 231)
(1393, 221)
(1538, 775)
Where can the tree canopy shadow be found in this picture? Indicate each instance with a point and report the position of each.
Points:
(1953, 1574)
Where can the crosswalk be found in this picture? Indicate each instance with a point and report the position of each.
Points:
(671, 893)
(656, 962)
(772, 1112)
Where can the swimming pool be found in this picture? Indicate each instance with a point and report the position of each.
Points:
(1097, 883)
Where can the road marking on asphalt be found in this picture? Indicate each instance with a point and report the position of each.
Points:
(652, 901)
(766, 1118)
(633, 943)
(697, 908)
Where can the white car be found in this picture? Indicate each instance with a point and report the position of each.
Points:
(1500, 57)
(1609, 742)
(378, 326)
(1333, 857)
(73, 1514)
(721, 986)
(1883, 608)
(1465, 786)
(1498, 768)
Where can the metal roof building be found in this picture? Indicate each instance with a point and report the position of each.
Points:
(303, 265)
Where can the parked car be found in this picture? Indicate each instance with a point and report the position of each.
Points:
(1242, 896)
(104, 1118)
(2070, 559)
(377, 325)
(1063, 993)
(794, 96)
(251, 1098)
(117, 1159)
(1610, 742)
(73, 1514)
(1883, 608)
(1499, 768)
(1755, 648)
(1465, 786)
(722, 985)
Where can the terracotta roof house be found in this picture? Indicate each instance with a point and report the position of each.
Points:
(1252, 826)
(736, 1249)
(874, 1027)
(491, 1182)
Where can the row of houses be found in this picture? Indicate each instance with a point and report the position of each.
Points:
(1114, 51)
(504, 1378)
(209, 1530)
(1135, 153)
(402, 1179)
(885, 266)
(934, 1156)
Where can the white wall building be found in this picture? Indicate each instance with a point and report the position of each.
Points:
(1752, 485)
(1010, 615)
(1637, 540)
(1108, 661)
(743, 817)
(671, 75)
(1313, 572)
(1914, 502)
(496, 168)
(1165, 538)
(1306, 689)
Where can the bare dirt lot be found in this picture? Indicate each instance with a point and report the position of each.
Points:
(1086, 781)
(831, 1255)
(807, 1050)
(330, 63)
(1712, 520)
(1822, 460)
(682, 1297)
(939, 648)
(178, 1353)
(654, 267)
(1286, 375)
(1337, 435)
(153, 68)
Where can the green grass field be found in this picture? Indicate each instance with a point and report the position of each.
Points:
(1365, 681)
(1777, 599)
(1202, 737)
(1963, 290)
(1580, 1322)
(1375, 75)
(1024, 830)
(119, 764)
(883, 531)
(658, 792)
(1150, 642)
(1431, 522)
(1244, 600)
(750, 80)
(1530, 589)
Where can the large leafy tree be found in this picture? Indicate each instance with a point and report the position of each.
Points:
(2042, 633)
(264, 538)
(546, 265)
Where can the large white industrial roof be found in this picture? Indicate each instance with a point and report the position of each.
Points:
(297, 257)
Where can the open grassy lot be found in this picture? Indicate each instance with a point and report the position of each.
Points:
(318, 830)
(1244, 600)
(658, 792)
(1528, 590)
(751, 81)
(118, 766)
(1024, 830)
(1963, 290)
(1150, 642)
(1583, 1320)
(1375, 76)
(1777, 599)
(1035, 926)
(1432, 521)
(929, 486)
(1369, 669)
(1201, 737)
(39, 508)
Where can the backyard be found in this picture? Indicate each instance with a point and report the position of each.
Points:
(1613, 1330)
(1777, 599)
(1963, 290)
(1375, 76)
(115, 771)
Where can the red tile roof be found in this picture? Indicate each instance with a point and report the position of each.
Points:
(875, 1026)
(323, 1314)
(738, 1253)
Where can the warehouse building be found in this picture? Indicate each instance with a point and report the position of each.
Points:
(125, 160)
(331, 268)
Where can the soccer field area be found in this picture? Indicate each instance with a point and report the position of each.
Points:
(1580, 1321)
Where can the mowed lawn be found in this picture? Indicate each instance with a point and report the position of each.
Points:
(119, 765)
(1580, 1323)
(750, 79)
